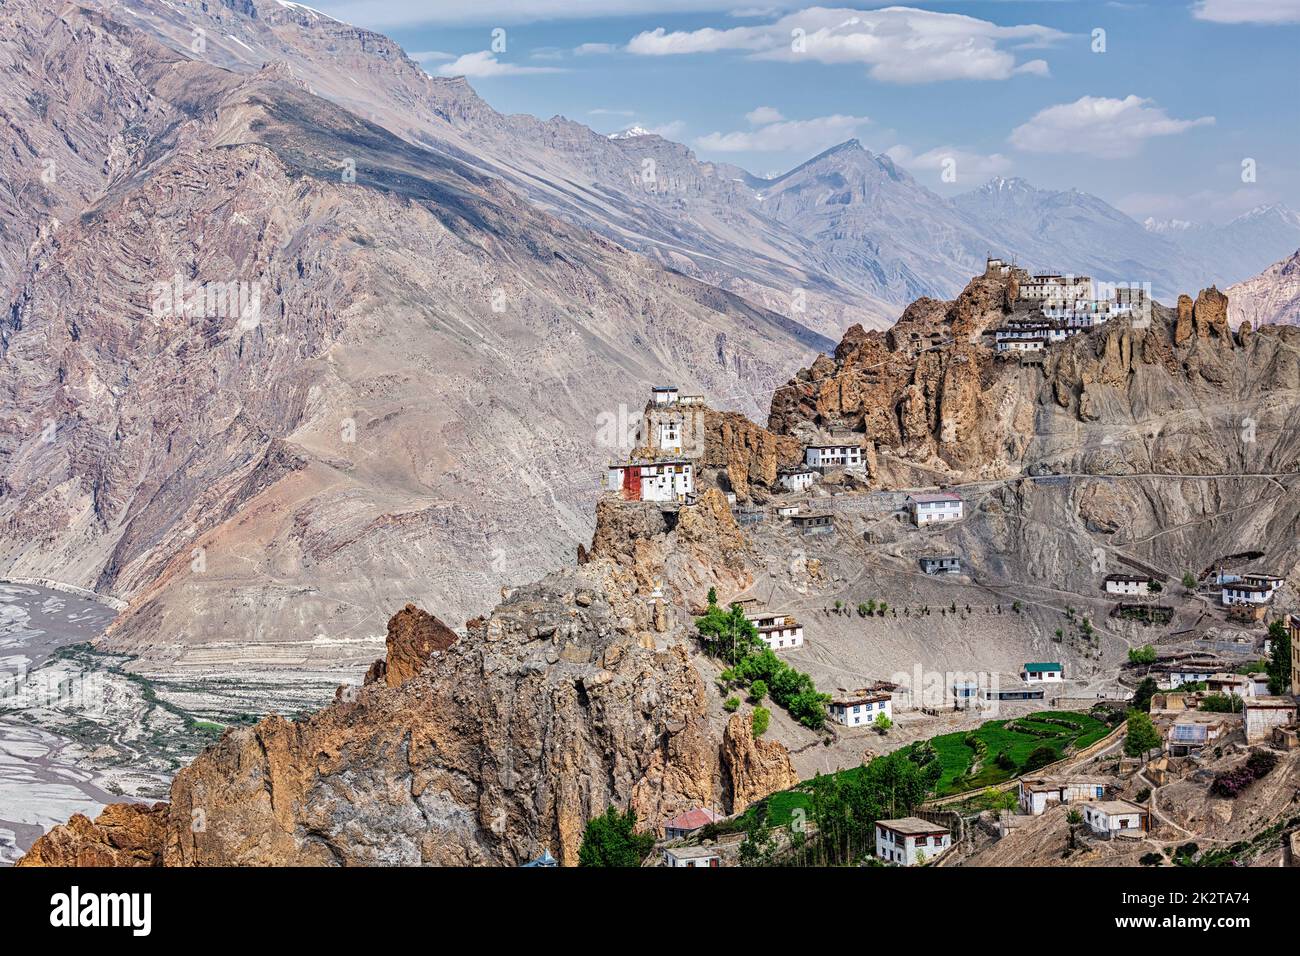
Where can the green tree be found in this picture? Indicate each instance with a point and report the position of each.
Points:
(731, 704)
(1189, 580)
(713, 596)
(1221, 704)
(758, 690)
(1039, 757)
(759, 847)
(1141, 735)
(883, 722)
(611, 840)
(728, 634)
(1145, 691)
(762, 717)
(1279, 659)
(1146, 654)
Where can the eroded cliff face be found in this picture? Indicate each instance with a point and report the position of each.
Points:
(576, 693)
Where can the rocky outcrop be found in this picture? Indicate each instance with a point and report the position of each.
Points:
(413, 636)
(746, 455)
(1270, 298)
(756, 767)
(575, 694)
(124, 834)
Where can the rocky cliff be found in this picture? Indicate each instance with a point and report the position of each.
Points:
(1272, 297)
(576, 693)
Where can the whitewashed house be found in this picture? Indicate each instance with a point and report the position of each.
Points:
(1042, 672)
(1128, 584)
(1109, 817)
(1039, 793)
(698, 856)
(861, 707)
(787, 511)
(668, 480)
(833, 456)
(1247, 594)
(1264, 713)
(797, 479)
(664, 394)
(1270, 581)
(689, 821)
(780, 632)
(934, 508)
(911, 840)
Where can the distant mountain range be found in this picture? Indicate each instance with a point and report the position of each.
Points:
(846, 237)
(1270, 298)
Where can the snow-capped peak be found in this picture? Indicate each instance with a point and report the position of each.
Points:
(632, 132)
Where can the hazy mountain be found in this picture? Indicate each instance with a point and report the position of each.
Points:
(1073, 231)
(1234, 251)
(1270, 298)
(267, 369)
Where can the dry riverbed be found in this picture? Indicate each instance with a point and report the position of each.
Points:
(79, 729)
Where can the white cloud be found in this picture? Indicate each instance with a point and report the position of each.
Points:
(764, 115)
(484, 63)
(896, 44)
(809, 135)
(591, 49)
(1099, 126)
(1248, 11)
(969, 167)
(669, 130)
(427, 56)
(378, 14)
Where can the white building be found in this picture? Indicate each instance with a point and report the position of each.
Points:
(1031, 343)
(933, 508)
(1270, 581)
(669, 480)
(780, 632)
(1108, 817)
(668, 434)
(1248, 594)
(860, 708)
(1128, 584)
(664, 394)
(786, 511)
(799, 479)
(1039, 793)
(1055, 287)
(1042, 672)
(692, 856)
(911, 840)
(833, 456)
(1265, 713)
(1181, 674)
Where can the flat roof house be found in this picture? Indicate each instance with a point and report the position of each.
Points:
(860, 707)
(1038, 793)
(1193, 731)
(1013, 689)
(668, 480)
(1046, 672)
(706, 856)
(833, 456)
(1247, 594)
(1128, 584)
(663, 394)
(911, 840)
(1109, 817)
(937, 507)
(686, 823)
(940, 564)
(1264, 713)
(796, 479)
(810, 523)
(780, 632)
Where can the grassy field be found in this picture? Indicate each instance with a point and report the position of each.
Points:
(956, 758)
(1020, 740)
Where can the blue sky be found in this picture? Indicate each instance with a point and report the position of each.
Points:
(1159, 122)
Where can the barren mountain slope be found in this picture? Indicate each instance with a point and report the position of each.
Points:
(406, 403)
(1270, 298)
(1172, 443)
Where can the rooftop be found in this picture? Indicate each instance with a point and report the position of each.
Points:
(936, 496)
(692, 852)
(1039, 667)
(1117, 807)
(1270, 703)
(846, 698)
(1055, 783)
(692, 819)
(912, 826)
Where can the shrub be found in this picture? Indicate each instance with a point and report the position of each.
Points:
(1222, 703)
(731, 704)
(762, 717)
(758, 690)
(611, 840)
(1231, 783)
(1040, 757)
(1142, 655)
(1005, 761)
(1142, 795)
(1151, 859)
